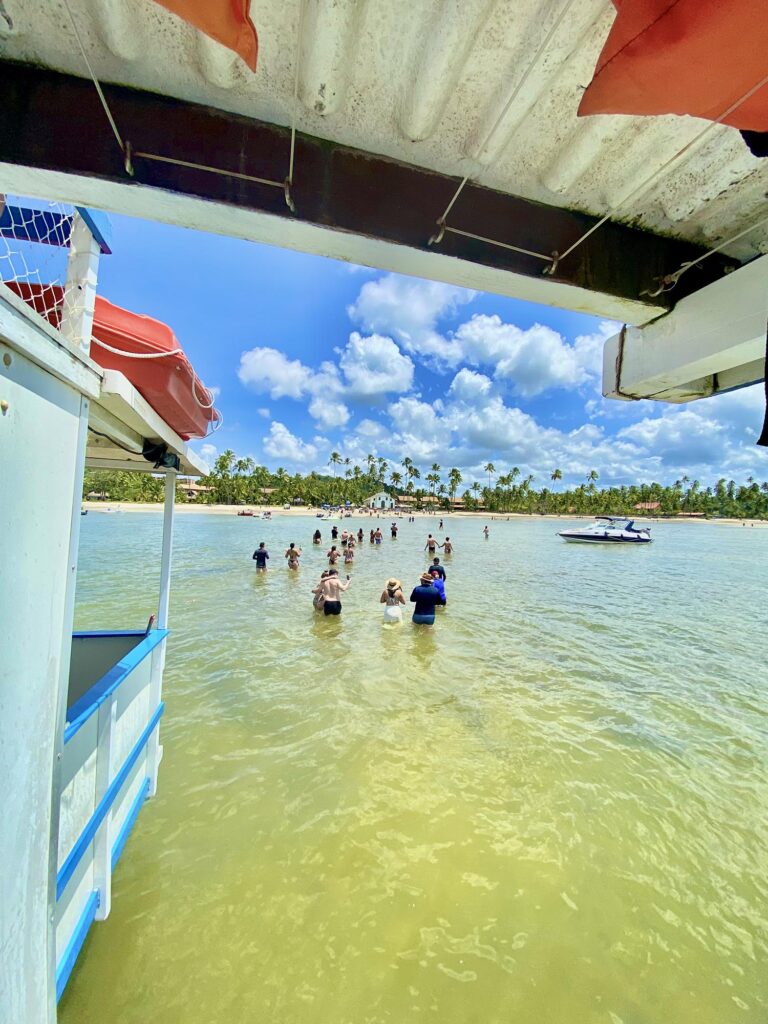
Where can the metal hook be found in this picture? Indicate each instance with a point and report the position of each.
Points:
(288, 197)
(437, 238)
(128, 162)
(551, 270)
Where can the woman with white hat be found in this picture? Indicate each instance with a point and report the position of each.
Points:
(392, 598)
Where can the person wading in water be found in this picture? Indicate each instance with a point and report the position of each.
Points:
(331, 589)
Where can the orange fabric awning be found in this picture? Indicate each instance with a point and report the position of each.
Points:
(226, 21)
(693, 57)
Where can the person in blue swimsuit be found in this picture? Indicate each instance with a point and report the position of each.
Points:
(425, 597)
(439, 584)
(260, 556)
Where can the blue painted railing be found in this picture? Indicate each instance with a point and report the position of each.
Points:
(90, 852)
(101, 690)
(104, 805)
(75, 944)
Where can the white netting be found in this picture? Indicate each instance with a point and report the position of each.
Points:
(34, 250)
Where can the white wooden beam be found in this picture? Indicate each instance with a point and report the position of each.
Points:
(714, 340)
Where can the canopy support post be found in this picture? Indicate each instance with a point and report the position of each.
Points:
(79, 299)
(154, 747)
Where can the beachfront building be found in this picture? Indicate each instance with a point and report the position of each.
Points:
(193, 491)
(381, 500)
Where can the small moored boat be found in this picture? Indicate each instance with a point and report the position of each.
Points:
(609, 530)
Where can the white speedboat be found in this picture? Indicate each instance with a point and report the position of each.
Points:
(609, 530)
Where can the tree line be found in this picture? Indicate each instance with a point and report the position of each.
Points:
(240, 481)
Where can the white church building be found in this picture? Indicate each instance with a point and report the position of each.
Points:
(380, 500)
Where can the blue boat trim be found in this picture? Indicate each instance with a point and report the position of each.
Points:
(48, 227)
(86, 837)
(91, 701)
(107, 632)
(129, 822)
(75, 944)
(100, 227)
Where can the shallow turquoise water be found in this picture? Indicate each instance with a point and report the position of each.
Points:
(551, 807)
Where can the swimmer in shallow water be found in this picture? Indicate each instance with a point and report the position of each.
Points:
(318, 600)
(439, 584)
(261, 556)
(437, 568)
(333, 555)
(486, 532)
(332, 588)
(425, 597)
(447, 546)
(317, 537)
(293, 554)
(393, 598)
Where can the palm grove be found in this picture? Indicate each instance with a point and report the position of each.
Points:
(239, 481)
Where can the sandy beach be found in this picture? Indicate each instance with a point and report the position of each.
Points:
(230, 510)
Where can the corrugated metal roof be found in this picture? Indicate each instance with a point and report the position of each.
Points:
(424, 83)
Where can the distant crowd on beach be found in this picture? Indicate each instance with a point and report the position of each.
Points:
(427, 596)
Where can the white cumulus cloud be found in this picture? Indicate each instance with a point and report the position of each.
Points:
(409, 310)
(282, 445)
(532, 360)
(265, 370)
(469, 386)
(328, 412)
(374, 365)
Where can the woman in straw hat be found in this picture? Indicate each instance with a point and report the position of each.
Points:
(392, 598)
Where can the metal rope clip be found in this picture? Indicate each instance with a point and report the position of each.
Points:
(127, 160)
(288, 197)
(551, 270)
(438, 236)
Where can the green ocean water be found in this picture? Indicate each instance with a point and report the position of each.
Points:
(552, 808)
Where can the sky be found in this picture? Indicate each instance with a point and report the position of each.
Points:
(309, 355)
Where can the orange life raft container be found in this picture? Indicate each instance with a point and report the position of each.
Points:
(164, 376)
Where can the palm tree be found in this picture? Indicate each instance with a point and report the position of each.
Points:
(490, 469)
(396, 479)
(556, 475)
(454, 479)
(334, 461)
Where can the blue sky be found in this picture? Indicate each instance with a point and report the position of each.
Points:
(311, 355)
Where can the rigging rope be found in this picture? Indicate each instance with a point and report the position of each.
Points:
(513, 96)
(669, 282)
(95, 80)
(645, 185)
(296, 61)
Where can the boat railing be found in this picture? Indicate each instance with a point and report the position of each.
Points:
(109, 767)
